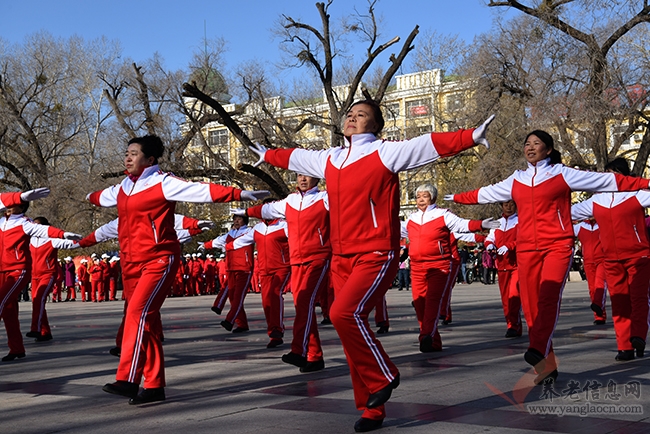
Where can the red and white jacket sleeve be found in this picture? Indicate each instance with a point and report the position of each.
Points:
(180, 190)
(304, 161)
(183, 222)
(106, 197)
(269, 211)
(245, 240)
(582, 211)
(404, 232)
(461, 225)
(7, 200)
(499, 192)
(490, 239)
(185, 235)
(217, 243)
(644, 198)
(581, 180)
(425, 149)
(41, 231)
(101, 234)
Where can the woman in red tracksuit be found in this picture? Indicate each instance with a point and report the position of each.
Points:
(504, 240)
(363, 186)
(150, 254)
(83, 278)
(270, 237)
(44, 252)
(308, 222)
(545, 238)
(239, 267)
(428, 230)
(16, 231)
(627, 259)
(96, 272)
(593, 257)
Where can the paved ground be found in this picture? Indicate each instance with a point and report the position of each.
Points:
(223, 382)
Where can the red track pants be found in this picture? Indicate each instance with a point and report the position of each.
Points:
(541, 286)
(446, 305)
(628, 282)
(12, 284)
(273, 285)
(307, 281)
(430, 282)
(41, 288)
(360, 281)
(235, 292)
(510, 299)
(147, 285)
(595, 272)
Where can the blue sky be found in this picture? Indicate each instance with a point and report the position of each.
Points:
(175, 29)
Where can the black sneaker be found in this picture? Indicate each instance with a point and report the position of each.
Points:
(639, 345)
(148, 395)
(597, 309)
(624, 355)
(318, 365)
(295, 360)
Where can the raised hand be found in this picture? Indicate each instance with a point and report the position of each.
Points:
(479, 134)
(35, 194)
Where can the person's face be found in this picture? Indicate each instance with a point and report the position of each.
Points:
(14, 210)
(535, 150)
(422, 200)
(360, 119)
(509, 208)
(306, 182)
(237, 222)
(135, 161)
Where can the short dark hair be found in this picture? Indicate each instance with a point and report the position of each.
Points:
(151, 146)
(547, 139)
(376, 113)
(619, 165)
(41, 221)
(245, 217)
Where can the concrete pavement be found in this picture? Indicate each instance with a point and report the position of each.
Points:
(224, 382)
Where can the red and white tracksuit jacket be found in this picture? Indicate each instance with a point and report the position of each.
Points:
(210, 268)
(44, 253)
(239, 268)
(430, 252)
(588, 233)
(506, 235)
(545, 237)
(621, 219)
(270, 236)
(96, 272)
(308, 226)
(150, 254)
(363, 187)
(16, 231)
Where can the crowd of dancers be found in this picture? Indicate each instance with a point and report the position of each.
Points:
(341, 248)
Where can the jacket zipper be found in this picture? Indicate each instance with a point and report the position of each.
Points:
(442, 253)
(320, 235)
(372, 210)
(532, 194)
(637, 234)
(559, 216)
(155, 233)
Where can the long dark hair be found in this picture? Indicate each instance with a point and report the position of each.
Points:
(547, 139)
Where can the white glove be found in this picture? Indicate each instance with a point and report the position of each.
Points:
(238, 211)
(260, 150)
(490, 223)
(35, 194)
(479, 134)
(205, 225)
(449, 197)
(201, 246)
(502, 250)
(490, 247)
(72, 236)
(254, 195)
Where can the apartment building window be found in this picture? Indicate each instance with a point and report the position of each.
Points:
(417, 108)
(392, 134)
(218, 137)
(455, 101)
(392, 111)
